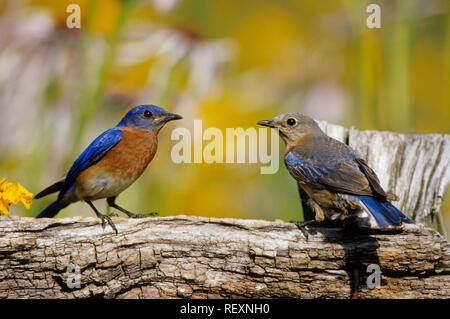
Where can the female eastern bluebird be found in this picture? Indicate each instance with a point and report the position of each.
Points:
(111, 163)
(338, 182)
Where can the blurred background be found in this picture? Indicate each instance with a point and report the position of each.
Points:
(229, 63)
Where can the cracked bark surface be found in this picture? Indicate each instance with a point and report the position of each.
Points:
(198, 257)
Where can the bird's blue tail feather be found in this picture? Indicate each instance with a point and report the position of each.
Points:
(384, 213)
(52, 209)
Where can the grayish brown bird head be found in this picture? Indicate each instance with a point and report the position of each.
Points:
(293, 127)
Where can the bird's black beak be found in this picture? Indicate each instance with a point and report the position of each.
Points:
(172, 117)
(268, 123)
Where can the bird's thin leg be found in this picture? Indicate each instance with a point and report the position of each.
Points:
(102, 217)
(319, 217)
(112, 202)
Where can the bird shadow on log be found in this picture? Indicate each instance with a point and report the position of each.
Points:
(360, 248)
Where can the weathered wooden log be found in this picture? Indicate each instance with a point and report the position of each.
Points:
(198, 257)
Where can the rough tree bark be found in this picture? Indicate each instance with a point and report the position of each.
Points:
(199, 257)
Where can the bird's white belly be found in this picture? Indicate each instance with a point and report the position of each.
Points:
(104, 186)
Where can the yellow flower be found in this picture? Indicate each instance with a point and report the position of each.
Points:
(13, 193)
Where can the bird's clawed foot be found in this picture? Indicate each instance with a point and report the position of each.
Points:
(102, 217)
(110, 222)
(302, 226)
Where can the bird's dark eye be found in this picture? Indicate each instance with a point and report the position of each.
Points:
(291, 121)
(147, 113)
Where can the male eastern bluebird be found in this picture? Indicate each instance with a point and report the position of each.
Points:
(338, 182)
(111, 163)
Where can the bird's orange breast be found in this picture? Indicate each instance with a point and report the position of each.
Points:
(132, 154)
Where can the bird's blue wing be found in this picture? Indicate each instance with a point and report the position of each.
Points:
(94, 152)
(340, 177)
(304, 171)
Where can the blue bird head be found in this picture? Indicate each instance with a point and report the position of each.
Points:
(147, 117)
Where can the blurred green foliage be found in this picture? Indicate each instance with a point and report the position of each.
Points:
(230, 63)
